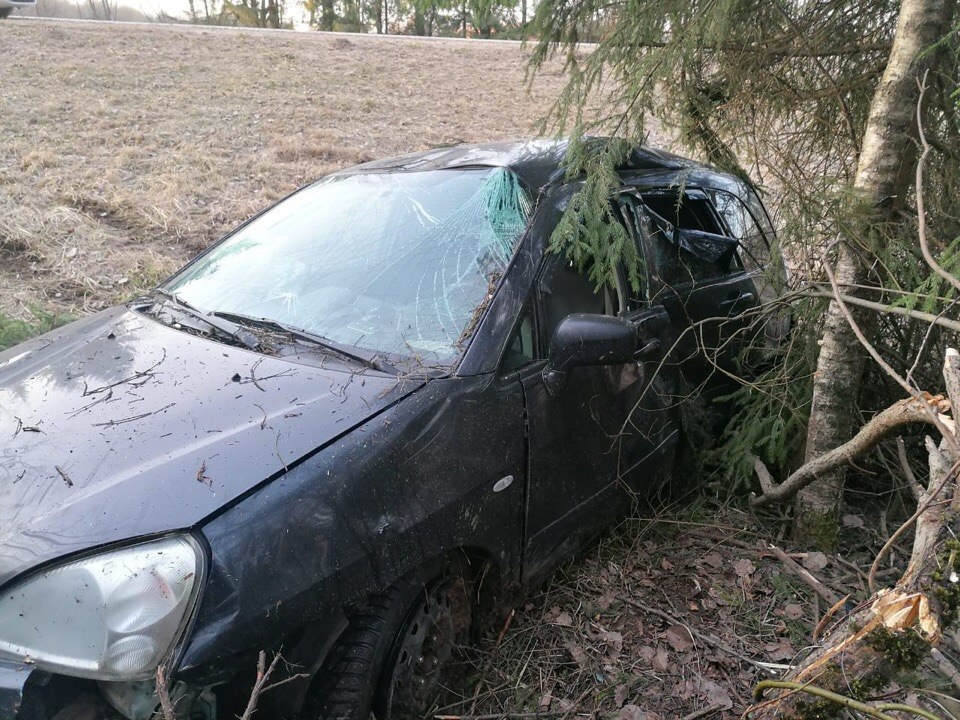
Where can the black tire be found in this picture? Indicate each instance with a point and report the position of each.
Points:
(5, 12)
(356, 680)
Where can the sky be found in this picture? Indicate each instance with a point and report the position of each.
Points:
(153, 7)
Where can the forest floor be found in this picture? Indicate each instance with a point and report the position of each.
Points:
(677, 615)
(126, 149)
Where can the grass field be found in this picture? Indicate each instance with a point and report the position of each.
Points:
(126, 149)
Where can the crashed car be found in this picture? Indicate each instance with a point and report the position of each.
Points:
(350, 430)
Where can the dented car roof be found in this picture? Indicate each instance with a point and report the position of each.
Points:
(537, 163)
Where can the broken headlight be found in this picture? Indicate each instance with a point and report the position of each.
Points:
(110, 616)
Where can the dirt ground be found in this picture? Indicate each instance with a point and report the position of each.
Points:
(126, 149)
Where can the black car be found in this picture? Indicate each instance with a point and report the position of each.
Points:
(369, 416)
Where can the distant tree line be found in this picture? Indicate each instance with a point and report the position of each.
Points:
(504, 19)
(85, 10)
(464, 18)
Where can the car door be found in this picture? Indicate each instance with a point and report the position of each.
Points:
(699, 278)
(603, 435)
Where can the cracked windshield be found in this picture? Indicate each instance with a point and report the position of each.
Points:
(396, 263)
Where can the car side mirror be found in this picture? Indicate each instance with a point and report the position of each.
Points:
(584, 339)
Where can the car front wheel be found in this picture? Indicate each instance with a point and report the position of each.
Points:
(5, 12)
(396, 655)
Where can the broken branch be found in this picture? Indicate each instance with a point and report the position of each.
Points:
(880, 426)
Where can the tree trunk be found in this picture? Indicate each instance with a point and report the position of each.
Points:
(326, 15)
(895, 630)
(419, 21)
(463, 16)
(378, 15)
(273, 14)
(880, 184)
(523, 18)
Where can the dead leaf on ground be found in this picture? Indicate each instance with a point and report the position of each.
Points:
(793, 611)
(714, 560)
(563, 619)
(779, 652)
(614, 641)
(632, 712)
(815, 561)
(578, 654)
(715, 694)
(661, 661)
(852, 521)
(744, 568)
(679, 638)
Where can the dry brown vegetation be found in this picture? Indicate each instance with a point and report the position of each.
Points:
(126, 149)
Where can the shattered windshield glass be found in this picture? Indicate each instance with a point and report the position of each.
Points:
(396, 263)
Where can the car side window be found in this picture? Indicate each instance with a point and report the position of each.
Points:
(521, 348)
(673, 264)
(563, 290)
(636, 297)
(754, 248)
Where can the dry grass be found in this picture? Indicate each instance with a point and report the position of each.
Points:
(127, 149)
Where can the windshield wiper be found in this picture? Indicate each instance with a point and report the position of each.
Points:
(232, 330)
(370, 360)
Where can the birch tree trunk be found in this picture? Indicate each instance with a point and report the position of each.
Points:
(881, 181)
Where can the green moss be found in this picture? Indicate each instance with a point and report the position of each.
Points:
(817, 530)
(819, 710)
(904, 650)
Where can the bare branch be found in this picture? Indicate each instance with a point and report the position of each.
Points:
(163, 694)
(880, 426)
(948, 323)
(263, 675)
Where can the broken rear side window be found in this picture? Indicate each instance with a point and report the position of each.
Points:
(753, 245)
(397, 263)
(688, 241)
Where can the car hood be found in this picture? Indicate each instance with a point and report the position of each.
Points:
(118, 426)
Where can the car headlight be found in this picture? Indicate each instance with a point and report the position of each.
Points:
(109, 616)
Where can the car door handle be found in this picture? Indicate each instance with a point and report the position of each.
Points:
(649, 347)
(742, 298)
